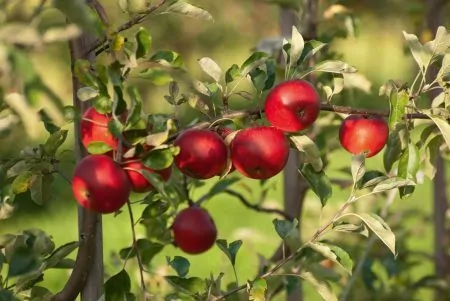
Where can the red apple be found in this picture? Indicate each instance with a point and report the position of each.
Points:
(138, 182)
(259, 152)
(94, 128)
(203, 153)
(292, 106)
(359, 133)
(194, 230)
(100, 184)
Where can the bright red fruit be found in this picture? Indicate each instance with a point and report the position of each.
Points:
(194, 230)
(94, 127)
(100, 184)
(259, 152)
(138, 182)
(203, 153)
(292, 106)
(359, 133)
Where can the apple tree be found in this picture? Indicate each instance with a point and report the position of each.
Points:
(124, 151)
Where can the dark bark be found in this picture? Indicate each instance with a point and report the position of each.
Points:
(87, 276)
(435, 18)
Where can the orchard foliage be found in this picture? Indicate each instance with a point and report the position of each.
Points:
(221, 143)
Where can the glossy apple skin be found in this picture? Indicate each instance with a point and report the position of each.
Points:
(292, 106)
(359, 133)
(203, 153)
(100, 184)
(194, 231)
(138, 182)
(259, 152)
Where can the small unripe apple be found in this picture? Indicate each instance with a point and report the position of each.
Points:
(203, 153)
(138, 182)
(292, 106)
(100, 184)
(259, 152)
(359, 133)
(194, 230)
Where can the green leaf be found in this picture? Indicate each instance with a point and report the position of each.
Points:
(66, 263)
(397, 141)
(230, 250)
(408, 166)
(285, 228)
(156, 75)
(371, 178)
(232, 74)
(211, 68)
(442, 124)
(22, 182)
(184, 8)
(255, 60)
(7, 296)
(117, 287)
(398, 101)
(54, 142)
(358, 167)
(421, 54)
(78, 12)
(323, 288)
(144, 42)
(87, 93)
(23, 261)
(156, 139)
(335, 254)
(441, 43)
(180, 265)
(40, 188)
(61, 33)
(190, 286)
(392, 183)
(82, 71)
(39, 293)
(134, 120)
(155, 209)
(221, 186)
(168, 58)
(330, 66)
(310, 49)
(61, 253)
(98, 147)
(318, 181)
(258, 289)
(162, 158)
(312, 154)
(379, 227)
(351, 228)
(430, 157)
(102, 104)
(148, 250)
(297, 46)
(198, 104)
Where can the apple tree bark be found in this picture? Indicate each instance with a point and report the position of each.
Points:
(87, 275)
(434, 18)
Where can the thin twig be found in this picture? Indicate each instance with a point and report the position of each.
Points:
(254, 207)
(138, 255)
(134, 21)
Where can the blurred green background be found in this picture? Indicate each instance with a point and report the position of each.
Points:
(377, 52)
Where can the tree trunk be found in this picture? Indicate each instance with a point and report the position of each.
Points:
(295, 187)
(435, 18)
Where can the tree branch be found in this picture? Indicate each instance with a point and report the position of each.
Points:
(134, 21)
(135, 246)
(255, 207)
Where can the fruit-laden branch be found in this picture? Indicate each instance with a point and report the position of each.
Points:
(256, 207)
(127, 25)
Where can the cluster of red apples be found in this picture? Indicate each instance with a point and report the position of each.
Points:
(257, 152)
